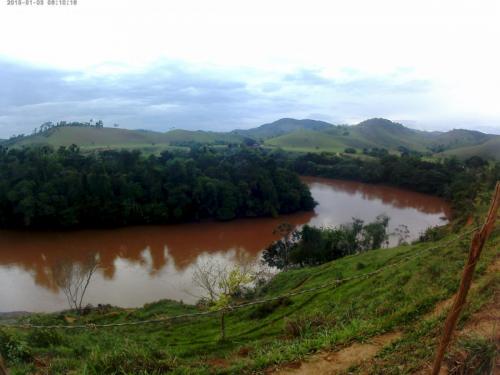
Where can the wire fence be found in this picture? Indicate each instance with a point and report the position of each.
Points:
(329, 284)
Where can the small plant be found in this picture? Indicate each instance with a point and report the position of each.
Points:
(431, 234)
(44, 338)
(269, 307)
(474, 356)
(360, 266)
(130, 361)
(13, 349)
(303, 325)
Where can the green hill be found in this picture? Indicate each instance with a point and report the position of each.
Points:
(405, 285)
(391, 135)
(306, 140)
(382, 133)
(488, 150)
(112, 138)
(283, 126)
(457, 138)
(289, 134)
(378, 133)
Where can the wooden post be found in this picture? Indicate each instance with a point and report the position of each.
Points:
(476, 247)
(3, 369)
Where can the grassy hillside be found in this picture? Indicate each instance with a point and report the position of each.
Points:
(379, 133)
(396, 298)
(460, 138)
(111, 138)
(307, 140)
(289, 134)
(283, 126)
(488, 150)
(390, 135)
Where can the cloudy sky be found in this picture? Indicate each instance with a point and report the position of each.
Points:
(225, 64)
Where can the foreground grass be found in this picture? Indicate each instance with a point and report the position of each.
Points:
(276, 333)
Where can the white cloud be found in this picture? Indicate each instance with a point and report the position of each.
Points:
(450, 45)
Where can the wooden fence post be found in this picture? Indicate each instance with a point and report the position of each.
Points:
(3, 369)
(476, 247)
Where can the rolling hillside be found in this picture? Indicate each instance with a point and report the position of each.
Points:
(458, 138)
(488, 150)
(111, 138)
(289, 134)
(382, 133)
(391, 135)
(283, 126)
(307, 140)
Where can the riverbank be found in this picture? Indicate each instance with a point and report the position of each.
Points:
(392, 299)
(160, 259)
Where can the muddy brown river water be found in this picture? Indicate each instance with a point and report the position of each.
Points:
(147, 263)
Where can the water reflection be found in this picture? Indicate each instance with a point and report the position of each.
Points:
(141, 264)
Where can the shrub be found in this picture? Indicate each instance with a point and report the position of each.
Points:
(303, 325)
(431, 234)
(267, 308)
(473, 356)
(13, 349)
(130, 361)
(44, 338)
(360, 266)
(350, 150)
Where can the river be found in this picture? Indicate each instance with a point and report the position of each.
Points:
(146, 263)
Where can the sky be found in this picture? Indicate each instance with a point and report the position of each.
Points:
(227, 64)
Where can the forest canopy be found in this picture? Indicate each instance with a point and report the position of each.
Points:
(41, 187)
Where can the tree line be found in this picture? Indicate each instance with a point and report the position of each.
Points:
(42, 187)
(310, 246)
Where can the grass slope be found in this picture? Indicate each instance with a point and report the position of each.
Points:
(111, 138)
(307, 140)
(289, 134)
(283, 126)
(391, 135)
(460, 138)
(488, 150)
(259, 337)
(307, 136)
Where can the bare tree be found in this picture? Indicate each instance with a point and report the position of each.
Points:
(74, 278)
(221, 283)
(402, 233)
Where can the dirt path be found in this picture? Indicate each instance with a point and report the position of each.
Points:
(485, 322)
(334, 362)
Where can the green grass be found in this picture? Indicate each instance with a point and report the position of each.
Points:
(488, 150)
(307, 140)
(111, 139)
(396, 298)
(288, 134)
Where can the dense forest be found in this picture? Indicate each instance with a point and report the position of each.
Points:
(41, 187)
(457, 181)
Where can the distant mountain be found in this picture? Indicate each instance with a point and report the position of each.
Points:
(289, 134)
(283, 126)
(391, 135)
(459, 138)
(376, 132)
(488, 150)
(383, 133)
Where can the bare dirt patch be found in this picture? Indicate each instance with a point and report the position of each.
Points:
(341, 360)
